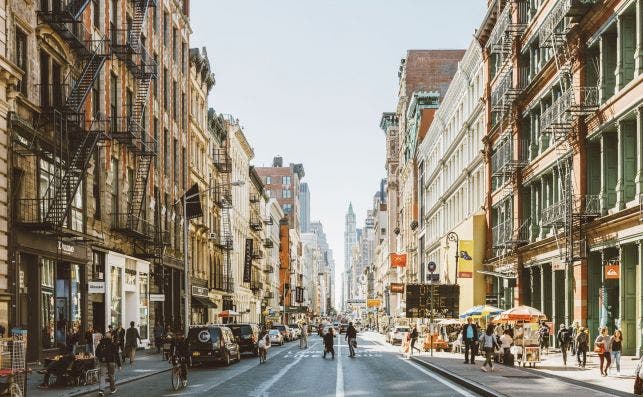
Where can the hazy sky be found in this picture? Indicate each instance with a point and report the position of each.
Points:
(309, 80)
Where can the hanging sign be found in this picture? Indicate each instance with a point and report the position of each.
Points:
(397, 288)
(398, 260)
(465, 262)
(373, 303)
(612, 272)
(157, 297)
(96, 287)
(247, 264)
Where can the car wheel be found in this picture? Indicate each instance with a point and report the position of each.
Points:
(238, 356)
(190, 362)
(227, 359)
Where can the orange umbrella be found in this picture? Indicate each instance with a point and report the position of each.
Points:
(228, 313)
(522, 313)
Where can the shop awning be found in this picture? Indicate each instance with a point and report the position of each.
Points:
(203, 301)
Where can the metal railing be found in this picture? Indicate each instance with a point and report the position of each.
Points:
(223, 282)
(501, 93)
(257, 253)
(256, 223)
(256, 285)
(133, 225)
(557, 117)
(269, 268)
(222, 160)
(268, 243)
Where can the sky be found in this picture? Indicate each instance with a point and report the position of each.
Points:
(309, 80)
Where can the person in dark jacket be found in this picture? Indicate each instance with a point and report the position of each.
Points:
(564, 338)
(158, 336)
(132, 337)
(351, 337)
(469, 338)
(414, 339)
(118, 337)
(108, 359)
(329, 341)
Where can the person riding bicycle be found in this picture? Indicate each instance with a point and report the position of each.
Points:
(180, 351)
(263, 344)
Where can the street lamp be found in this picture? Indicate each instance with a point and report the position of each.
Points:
(186, 276)
(453, 236)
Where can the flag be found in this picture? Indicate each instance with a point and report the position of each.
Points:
(465, 263)
(398, 260)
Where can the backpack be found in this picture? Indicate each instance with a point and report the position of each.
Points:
(582, 338)
(567, 336)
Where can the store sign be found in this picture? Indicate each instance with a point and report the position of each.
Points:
(373, 303)
(65, 248)
(96, 287)
(199, 291)
(398, 260)
(247, 264)
(157, 297)
(299, 295)
(397, 288)
(465, 255)
(612, 272)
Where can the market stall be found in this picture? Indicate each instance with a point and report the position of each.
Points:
(524, 322)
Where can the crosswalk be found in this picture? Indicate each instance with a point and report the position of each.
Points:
(308, 353)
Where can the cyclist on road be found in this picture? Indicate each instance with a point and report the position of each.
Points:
(262, 345)
(180, 351)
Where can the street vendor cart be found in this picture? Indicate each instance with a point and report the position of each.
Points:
(525, 321)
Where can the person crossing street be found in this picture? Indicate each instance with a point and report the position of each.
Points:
(564, 338)
(108, 359)
(329, 341)
(351, 336)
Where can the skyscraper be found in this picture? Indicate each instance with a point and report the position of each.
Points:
(304, 207)
(350, 238)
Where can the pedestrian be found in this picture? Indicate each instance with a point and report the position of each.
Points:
(489, 344)
(120, 341)
(132, 337)
(564, 338)
(108, 359)
(469, 337)
(351, 337)
(329, 341)
(617, 349)
(543, 335)
(505, 343)
(303, 339)
(603, 347)
(414, 339)
(575, 329)
(582, 345)
(158, 336)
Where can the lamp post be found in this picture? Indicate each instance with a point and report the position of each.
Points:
(186, 274)
(453, 236)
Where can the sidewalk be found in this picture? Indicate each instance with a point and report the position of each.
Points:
(549, 377)
(147, 363)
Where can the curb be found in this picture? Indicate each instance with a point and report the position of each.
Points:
(118, 383)
(468, 384)
(580, 383)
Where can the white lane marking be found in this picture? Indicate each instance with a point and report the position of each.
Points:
(262, 389)
(439, 379)
(339, 385)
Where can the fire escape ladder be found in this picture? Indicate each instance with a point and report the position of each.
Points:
(63, 193)
(140, 186)
(88, 76)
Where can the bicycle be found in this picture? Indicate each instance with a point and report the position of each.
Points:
(262, 355)
(179, 372)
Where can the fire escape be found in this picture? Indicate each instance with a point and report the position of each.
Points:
(570, 104)
(149, 238)
(509, 154)
(73, 138)
(223, 199)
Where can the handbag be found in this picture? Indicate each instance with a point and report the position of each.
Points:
(599, 349)
(638, 386)
(354, 343)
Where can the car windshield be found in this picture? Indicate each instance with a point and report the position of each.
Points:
(279, 327)
(238, 330)
(274, 332)
(402, 329)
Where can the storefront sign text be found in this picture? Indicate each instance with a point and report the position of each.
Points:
(157, 297)
(96, 287)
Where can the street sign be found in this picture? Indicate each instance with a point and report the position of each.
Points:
(431, 266)
(433, 277)
(445, 300)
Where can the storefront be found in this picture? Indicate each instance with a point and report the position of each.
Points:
(201, 303)
(127, 293)
(52, 292)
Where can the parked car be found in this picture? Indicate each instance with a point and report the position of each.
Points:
(343, 327)
(212, 343)
(247, 336)
(295, 330)
(285, 332)
(397, 334)
(275, 337)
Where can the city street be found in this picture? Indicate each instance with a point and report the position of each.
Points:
(376, 371)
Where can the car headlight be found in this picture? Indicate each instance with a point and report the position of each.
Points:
(196, 354)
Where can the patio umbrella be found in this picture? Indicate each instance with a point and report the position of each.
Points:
(522, 313)
(481, 311)
(228, 313)
(449, 321)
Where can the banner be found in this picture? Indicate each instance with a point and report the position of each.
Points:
(397, 288)
(373, 303)
(247, 264)
(465, 261)
(612, 272)
(398, 260)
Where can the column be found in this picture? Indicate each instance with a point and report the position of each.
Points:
(535, 216)
(639, 293)
(638, 179)
(618, 72)
(603, 189)
(638, 50)
(602, 72)
(620, 199)
(603, 293)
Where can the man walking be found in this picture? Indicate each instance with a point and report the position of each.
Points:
(303, 340)
(469, 337)
(108, 359)
(132, 338)
(414, 339)
(351, 337)
(564, 338)
(582, 344)
(329, 341)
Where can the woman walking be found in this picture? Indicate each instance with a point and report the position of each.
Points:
(489, 344)
(603, 347)
(617, 348)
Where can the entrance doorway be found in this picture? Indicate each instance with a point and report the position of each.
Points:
(98, 309)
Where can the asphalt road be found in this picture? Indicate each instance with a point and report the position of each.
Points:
(378, 370)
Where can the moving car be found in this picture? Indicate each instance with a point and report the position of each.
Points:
(275, 337)
(285, 332)
(212, 343)
(247, 336)
(397, 334)
(343, 327)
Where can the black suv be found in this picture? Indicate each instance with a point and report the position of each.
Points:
(246, 336)
(210, 343)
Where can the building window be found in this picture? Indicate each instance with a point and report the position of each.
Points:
(115, 189)
(177, 169)
(166, 32)
(286, 193)
(268, 180)
(96, 98)
(47, 268)
(98, 266)
(166, 97)
(96, 186)
(287, 208)
(166, 152)
(175, 55)
(285, 180)
(129, 103)
(21, 59)
(113, 102)
(96, 10)
(175, 101)
(143, 324)
(155, 17)
(156, 143)
(184, 48)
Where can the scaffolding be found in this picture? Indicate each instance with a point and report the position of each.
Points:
(570, 103)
